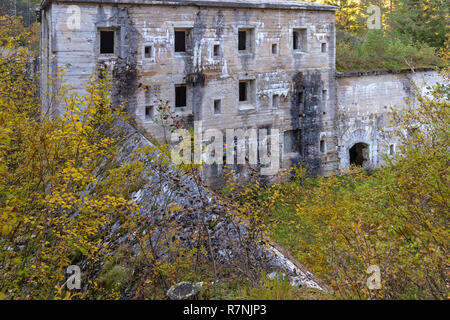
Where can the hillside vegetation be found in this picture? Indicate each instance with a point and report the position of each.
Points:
(396, 218)
(55, 211)
(413, 34)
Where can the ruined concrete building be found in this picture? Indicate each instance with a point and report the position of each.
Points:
(232, 65)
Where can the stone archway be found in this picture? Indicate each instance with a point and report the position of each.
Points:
(359, 154)
(364, 143)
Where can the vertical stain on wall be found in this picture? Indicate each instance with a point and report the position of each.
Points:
(305, 116)
(124, 73)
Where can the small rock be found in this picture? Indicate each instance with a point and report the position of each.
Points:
(182, 291)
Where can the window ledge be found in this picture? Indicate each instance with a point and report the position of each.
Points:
(246, 107)
(182, 54)
(291, 155)
(106, 56)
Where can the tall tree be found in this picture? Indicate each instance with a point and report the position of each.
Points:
(421, 20)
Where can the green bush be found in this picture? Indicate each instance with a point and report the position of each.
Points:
(381, 50)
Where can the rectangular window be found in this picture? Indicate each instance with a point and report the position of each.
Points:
(106, 42)
(274, 48)
(149, 112)
(148, 52)
(242, 35)
(275, 101)
(245, 40)
(180, 96)
(180, 41)
(216, 50)
(217, 106)
(299, 37)
(324, 47)
(324, 95)
(322, 146)
(243, 88)
(295, 40)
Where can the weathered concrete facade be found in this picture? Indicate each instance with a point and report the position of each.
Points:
(231, 65)
(288, 88)
(364, 103)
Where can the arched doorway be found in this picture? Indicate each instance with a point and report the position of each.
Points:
(359, 154)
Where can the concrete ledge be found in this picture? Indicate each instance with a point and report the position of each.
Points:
(257, 4)
(380, 72)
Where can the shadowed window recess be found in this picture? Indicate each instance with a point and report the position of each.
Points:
(148, 52)
(180, 96)
(243, 90)
(106, 42)
(217, 106)
(180, 40)
(149, 112)
(245, 40)
(299, 37)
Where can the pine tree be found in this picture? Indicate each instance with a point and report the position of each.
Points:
(421, 20)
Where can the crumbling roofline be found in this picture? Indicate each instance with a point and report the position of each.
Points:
(256, 4)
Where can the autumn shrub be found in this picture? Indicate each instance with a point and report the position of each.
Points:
(66, 186)
(53, 210)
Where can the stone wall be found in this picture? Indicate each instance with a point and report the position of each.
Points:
(301, 81)
(364, 103)
(321, 116)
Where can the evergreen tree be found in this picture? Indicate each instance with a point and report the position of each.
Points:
(421, 20)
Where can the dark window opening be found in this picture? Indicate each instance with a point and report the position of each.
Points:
(180, 96)
(149, 112)
(359, 154)
(391, 150)
(299, 39)
(274, 48)
(324, 47)
(324, 95)
(275, 101)
(322, 146)
(242, 45)
(180, 41)
(243, 91)
(106, 42)
(295, 40)
(216, 50)
(148, 52)
(217, 106)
